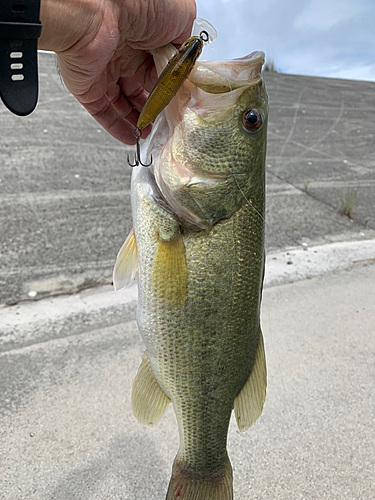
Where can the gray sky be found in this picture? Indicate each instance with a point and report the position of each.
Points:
(333, 38)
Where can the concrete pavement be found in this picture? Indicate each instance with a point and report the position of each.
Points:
(64, 182)
(67, 363)
(67, 429)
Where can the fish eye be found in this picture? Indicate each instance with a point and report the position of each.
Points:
(252, 120)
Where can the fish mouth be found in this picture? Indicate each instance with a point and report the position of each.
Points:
(219, 77)
(208, 95)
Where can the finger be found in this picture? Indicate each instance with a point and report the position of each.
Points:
(107, 116)
(122, 105)
(146, 73)
(166, 22)
(186, 33)
(131, 90)
(128, 106)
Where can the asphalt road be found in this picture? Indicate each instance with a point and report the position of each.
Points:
(64, 182)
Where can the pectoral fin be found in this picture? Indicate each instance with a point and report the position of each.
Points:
(248, 405)
(126, 266)
(148, 399)
(169, 273)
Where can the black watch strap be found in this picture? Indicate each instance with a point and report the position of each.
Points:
(20, 29)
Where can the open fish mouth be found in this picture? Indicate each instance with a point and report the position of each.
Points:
(211, 77)
(205, 107)
(218, 77)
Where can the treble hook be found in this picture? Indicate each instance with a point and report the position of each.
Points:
(137, 133)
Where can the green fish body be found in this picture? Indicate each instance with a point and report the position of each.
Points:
(198, 247)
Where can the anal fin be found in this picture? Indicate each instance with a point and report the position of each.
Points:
(148, 399)
(248, 405)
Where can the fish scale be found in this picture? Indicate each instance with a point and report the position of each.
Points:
(207, 323)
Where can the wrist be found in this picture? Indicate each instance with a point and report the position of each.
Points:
(66, 22)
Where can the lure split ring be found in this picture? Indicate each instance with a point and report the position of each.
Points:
(204, 36)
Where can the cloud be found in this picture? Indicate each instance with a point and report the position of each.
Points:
(323, 14)
(334, 38)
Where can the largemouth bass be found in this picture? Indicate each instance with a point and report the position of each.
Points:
(198, 247)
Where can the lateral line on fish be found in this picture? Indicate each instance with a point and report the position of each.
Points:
(248, 201)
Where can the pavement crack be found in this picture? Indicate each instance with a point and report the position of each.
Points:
(363, 223)
(291, 131)
(73, 291)
(332, 127)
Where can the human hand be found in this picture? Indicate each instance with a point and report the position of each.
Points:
(102, 46)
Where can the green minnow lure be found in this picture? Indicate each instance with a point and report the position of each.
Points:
(171, 79)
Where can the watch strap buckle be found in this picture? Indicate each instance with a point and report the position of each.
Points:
(20, 31)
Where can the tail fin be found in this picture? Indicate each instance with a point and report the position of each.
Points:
(184, 485)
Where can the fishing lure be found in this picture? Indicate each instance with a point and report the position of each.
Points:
(171, 79)
(169, 82)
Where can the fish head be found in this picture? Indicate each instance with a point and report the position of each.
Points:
(210, 142)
